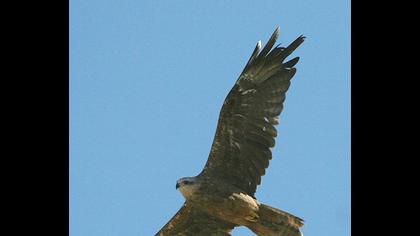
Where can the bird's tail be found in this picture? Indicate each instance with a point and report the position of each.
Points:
(275, 222)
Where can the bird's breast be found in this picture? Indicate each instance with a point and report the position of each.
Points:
(235, 207)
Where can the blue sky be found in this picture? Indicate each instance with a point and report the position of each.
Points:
(147, 81)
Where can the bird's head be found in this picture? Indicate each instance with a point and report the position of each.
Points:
(187, 186)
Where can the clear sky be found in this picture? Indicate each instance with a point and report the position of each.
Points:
(147, 81)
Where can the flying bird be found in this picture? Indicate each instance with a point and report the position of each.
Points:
(222, 196)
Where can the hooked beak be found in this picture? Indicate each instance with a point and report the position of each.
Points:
(177, 186)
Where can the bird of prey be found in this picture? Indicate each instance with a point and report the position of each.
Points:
(222, 196)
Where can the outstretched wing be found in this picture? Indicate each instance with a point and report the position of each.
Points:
(189, 221)
(246, 130)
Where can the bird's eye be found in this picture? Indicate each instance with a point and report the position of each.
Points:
(187, 182)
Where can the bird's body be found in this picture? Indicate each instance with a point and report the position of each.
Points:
(227, 201)
(222, 196)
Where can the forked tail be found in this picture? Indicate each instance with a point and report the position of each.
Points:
(275, 222)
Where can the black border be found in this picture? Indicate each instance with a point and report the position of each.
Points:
(39, 118)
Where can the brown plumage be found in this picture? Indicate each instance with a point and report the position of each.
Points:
(222, 197)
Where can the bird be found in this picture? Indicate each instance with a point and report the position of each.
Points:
(222, 196)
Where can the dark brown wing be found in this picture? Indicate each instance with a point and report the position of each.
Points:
(245, 133)
(189, 221)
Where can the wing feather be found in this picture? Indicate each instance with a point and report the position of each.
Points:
(246, 129)
(189, 221)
